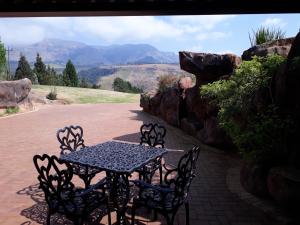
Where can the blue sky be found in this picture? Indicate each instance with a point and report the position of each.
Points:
(216, 33)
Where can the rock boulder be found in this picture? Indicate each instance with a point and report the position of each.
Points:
(280, 47)
(208, 67)
(14, 92)
(284, 186)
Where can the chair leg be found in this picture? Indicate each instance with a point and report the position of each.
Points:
(160, 175)
(78, 221)
(48, 218)
(108, 213)
(187, 213)
(169, 222)
(133, 212)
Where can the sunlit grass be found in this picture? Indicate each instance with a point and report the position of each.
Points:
(87, 95)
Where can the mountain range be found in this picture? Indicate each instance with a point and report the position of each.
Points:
(58, 52)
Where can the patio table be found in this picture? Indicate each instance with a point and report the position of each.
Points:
(119, 160)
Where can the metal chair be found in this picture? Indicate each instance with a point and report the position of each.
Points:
(71, 139)
(61, 196)
(167, 198)
(152, 135)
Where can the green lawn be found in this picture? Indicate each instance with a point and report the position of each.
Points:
(87, 95)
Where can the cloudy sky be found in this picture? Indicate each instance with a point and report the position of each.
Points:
(216, 33)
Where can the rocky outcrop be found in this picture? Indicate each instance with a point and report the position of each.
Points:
(13, 93)
(183, 106)
(207, 67)
(284, 187)
(280, 47)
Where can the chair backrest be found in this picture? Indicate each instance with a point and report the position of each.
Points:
(55, 180)
(181, 177)
(70, 139)
(153, 135)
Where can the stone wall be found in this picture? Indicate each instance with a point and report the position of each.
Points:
(182, 105)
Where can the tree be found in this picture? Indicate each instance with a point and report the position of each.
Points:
(124, 86)
(69, 75)
(40, 70)
(2, 61)
(24, 71)
(84, 83)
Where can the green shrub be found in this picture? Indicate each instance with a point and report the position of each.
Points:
(166, 81)
(251, 120)
(52, 94)
(125, 86)
(12, 110)
(265, 34)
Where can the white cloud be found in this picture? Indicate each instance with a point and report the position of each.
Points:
(21, 35)
(110, 29)
(195, 48)
(277, 22)
(127, 28)
(212, 35)
(207, 22)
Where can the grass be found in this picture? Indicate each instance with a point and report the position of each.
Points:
(87, 95)
(9, 111)
(12, 110)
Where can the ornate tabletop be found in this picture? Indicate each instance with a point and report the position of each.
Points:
(115, 156)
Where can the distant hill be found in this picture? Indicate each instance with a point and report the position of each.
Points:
(144, 76)
(56, 51)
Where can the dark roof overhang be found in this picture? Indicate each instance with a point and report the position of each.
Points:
(143, 7)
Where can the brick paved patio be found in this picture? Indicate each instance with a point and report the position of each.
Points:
(22, 136)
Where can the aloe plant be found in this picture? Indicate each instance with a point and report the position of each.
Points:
(265, 34)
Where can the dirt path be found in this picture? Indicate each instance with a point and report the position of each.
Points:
(25, 135)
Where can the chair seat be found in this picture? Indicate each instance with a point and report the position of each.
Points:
(78, 205)
(155, 199)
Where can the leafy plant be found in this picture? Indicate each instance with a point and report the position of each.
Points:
(247, 112)
(265, 34)
(166, 81)
(125, 86)
(12, 110)
(52, 94)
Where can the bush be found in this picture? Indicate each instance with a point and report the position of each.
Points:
(52, 94)
(166, 81)
(247, 112)
(125, 86)
(12, 110)
(265, 34)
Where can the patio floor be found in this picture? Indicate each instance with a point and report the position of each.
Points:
(22, 136)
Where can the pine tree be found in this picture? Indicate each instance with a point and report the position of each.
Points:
(24, 70)
(40, 70)
(51, 77)
(69, 75)
(2, 62)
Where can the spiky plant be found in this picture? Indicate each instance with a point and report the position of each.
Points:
(265, 34)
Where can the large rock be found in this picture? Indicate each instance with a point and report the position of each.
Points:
(280, 47)
(286, 94)
(208, 67)
(213, 135)
(14, 92)
(253, 178)
(169, 106)
(284, 187)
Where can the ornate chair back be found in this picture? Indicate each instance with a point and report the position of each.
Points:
(153, 135)
(70, 139)
(55, 180)
(180, 178)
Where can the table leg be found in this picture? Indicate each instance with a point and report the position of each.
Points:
(119, 194)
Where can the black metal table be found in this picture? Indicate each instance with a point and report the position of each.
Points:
(119, 160)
